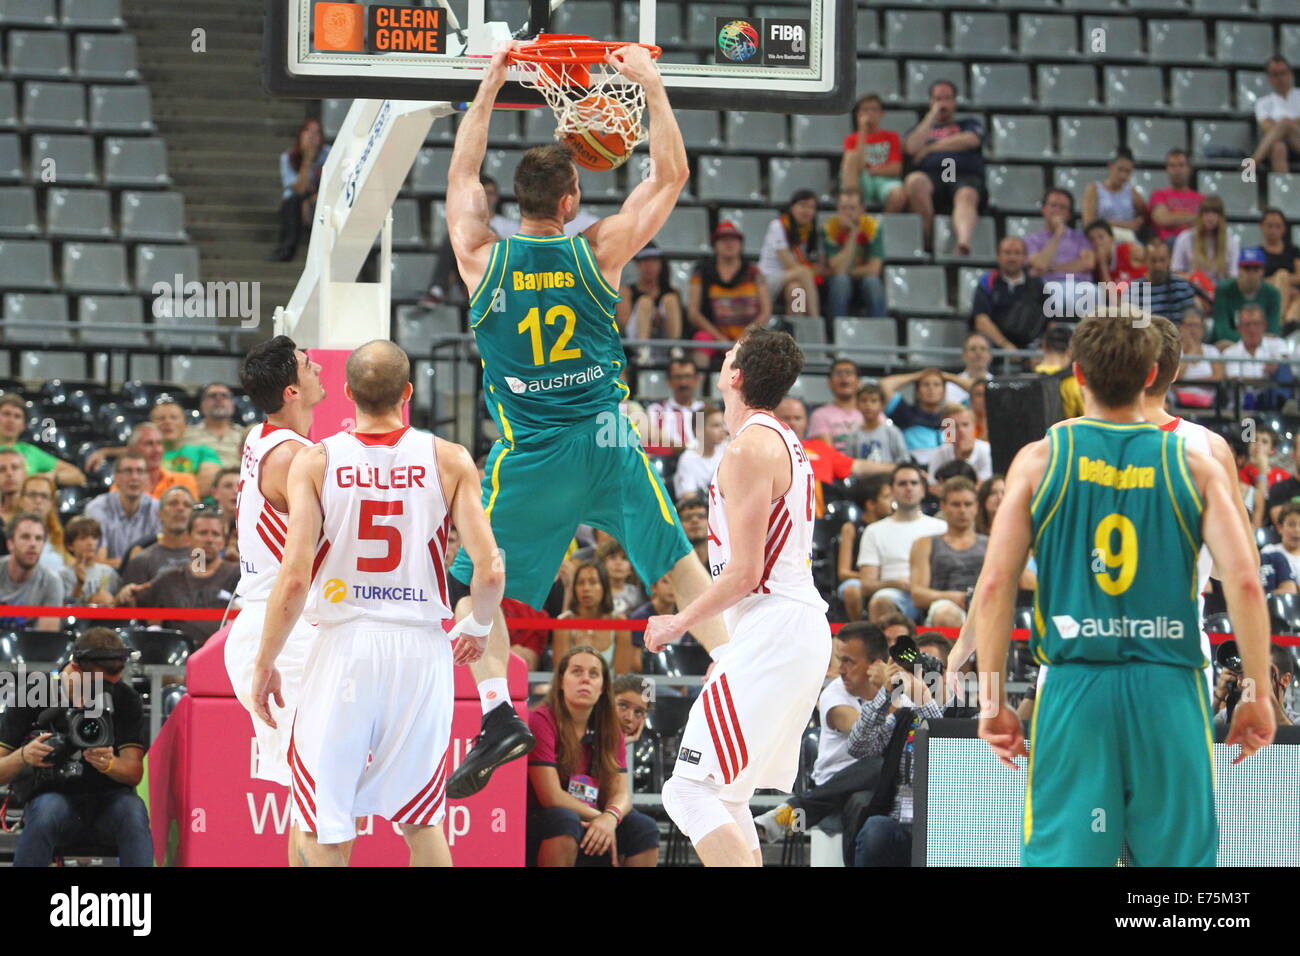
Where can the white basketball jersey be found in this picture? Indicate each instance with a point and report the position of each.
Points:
(1196, 437)
(381, 557)
(787, 553)
(260, 527)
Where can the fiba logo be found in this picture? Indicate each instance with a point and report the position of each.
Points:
(738, 40)
(334, 590)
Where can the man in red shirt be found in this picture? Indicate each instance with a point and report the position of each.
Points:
(1174, 208)
(828, 464)
(873, 158)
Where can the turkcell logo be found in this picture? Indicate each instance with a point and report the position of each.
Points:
(1144, 628)
(566, 380)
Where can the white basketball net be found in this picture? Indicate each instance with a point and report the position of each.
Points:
(607, 103)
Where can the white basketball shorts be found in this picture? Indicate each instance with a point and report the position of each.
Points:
(745, 728)
(242, 643)
(372, 729)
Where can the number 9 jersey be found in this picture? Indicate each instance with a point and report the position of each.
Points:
(382, 552)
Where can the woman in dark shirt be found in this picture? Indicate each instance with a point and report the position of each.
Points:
(300, 169)
(1281, 261)
(650, 307)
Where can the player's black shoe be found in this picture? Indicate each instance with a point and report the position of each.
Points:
(503, 737)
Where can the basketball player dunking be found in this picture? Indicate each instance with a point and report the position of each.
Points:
(284, 385)
(542, 311)
(744, 729)
(1116, 510)
(369, 514)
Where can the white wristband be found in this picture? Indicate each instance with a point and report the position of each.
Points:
(472, 627)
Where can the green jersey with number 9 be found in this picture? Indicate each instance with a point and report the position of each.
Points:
(543, 318)
(1117, 529)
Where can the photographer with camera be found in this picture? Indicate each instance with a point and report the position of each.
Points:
(76, 766)
(1228, 690)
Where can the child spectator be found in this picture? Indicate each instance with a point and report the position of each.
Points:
(873, 158)
(696, 465)
(590, 598)
(85, 580)
(878, 439)
(1288, 523)
(1115, 261)
(625, 591)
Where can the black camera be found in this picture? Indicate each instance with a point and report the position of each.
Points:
(1229, 659)
(906, 654)
(72, 730)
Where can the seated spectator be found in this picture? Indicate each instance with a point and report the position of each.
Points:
(884, 557)
(1174, 207)
(24, 579)
(178, 456)
(1269, 356)
(875, 500)
(1249, 288)
(727, 295)
(979, 408)
(791, 259)
(855, 254)
(920, 421)
(170, 547)
(146, 438)
(1278, 116)
(85, 579)
(100, 804)
(1288, 524)
(961, 445)
(828, 465)
(1166, 294)
(831, 422)
(1195, 367)
(947, 159)
(650, 308)
(873, 158)
(624, 589)
(634, 698)
(936, 645)
(663, 600)
(37, 498)
(1282, 671)
(1207, 247)
(1261, 464)
(1057, 252)
(13, 420)
(300, 171)
(672, 421)
(218, 430)
(125, 513)
(579, 800)
(13, 472)
(895, 625)
(987, 499)
(1281, 261)
(976, 355)
(1115, 261)
(693, 512)
(945, 567)
(1284, 492)
(1115, 200)
(225, 498)
(207, 581)
(1008, 303)
(590, 598)
(696, 465)
(447, 284)
(877, 439)
(1057, 362)
(952, 469)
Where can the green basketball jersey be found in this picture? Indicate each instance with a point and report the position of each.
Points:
(543, 318)
(1117, 528)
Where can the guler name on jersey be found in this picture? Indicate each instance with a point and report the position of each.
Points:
(543, 280)
(1100, 472)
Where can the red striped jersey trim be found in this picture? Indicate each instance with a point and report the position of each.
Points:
(323, 550)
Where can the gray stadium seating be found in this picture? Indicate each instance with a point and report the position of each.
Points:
(1250, 86)
(135, 161)
(1244, 43)
(1067, 87)
(412, 274)
(914, 31)
(500, 164)
(1075, 179)
(686, 233)
(27, 264)
(1000, 84)
(153, 216)
(332, 114)
(60, 106)
(92, 14)
(1122, 37)
(429, 173)
(879, 77)
(11, 163)
(121, 109)
(984, 244)
(729, 178)
(418, 326)
(1088, 137)
(853, 331)
(916, 290)
(161, 263)
(901, 237)
(1021, 137)
(752, 222)
(1050, 36)
(1241, 200)
(107, 56)
(1213, 135)
(8, 105)
(594, 19)
(406, 225)
(1150, 138)
(807, 329)
(1284, 192)
(18, 212)
(78, 214)
(1176, 41)
(96, 310)
(39, 54)
(1014, 188)
(437, 222)
(921, 73)
(976, 34)
(94, 267)
(1200, 91)
(48, 311)
(757, 132)
(787, 175)
(69, 160)
(28, 13)
(1134, 88)
(936, 333)
(701, 129)
(968, 278)
(700, 24)
(1289, 43)
(818, 134)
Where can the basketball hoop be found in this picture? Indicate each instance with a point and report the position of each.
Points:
(584, 92)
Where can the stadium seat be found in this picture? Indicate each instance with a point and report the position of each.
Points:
(332, 114)
(1021, 137)
(500, 164)
(701, 28)
(1250, 86)
(807, 329)
(585, 17)
(1088, 137)
(18, 212)
(652, 385)
(163, 264)
(853, 332)
(412, 274)
(1075, 179)
(98, 310)
(8, 106)
(48, 315)
(1071, 87)
(976, 34)
(27, 264)
(121, 109)
(668, 22)
(729, 178)
(107, 56)
(429, 173)
(1090, 5)
(1121, 37)
(153, 215)
(900, 121)
(437, 222)
(752, 222)
(165, 319)
(922, 73)
(1284, 193)
(686, 233)
(79, 214)
(203, 368)
(1200, 91)
(901, 237)
(1176, 41)
(69, 160)
(914, 31)
(11, 163)
(968, 278)
(1000, 84)
(787, 175)
(1276, 6)
(919, 290)
(1244, 43)
(701, 129)
(879, 77)
(1021, 225)
(752, 131)
(135, 161)
(1049, 36)
(59, 106)
(817, 134)
(1151, 138)
(1157, 4)
(984, 243)
(94, 267)
(868, 31)
(39, 54)
(1134, 88)
(406, 225)
(92, 14)
(813, 389)
(1240, 200)
(923, 334)
(1014, 188)
(1222, 141)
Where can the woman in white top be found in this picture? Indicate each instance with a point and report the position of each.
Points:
(1206, 246)
(791, 258)
(1194, 367)
(1116, 200)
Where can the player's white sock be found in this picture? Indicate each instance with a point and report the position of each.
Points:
(493, 692)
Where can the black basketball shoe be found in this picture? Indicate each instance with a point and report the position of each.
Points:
(503, 737)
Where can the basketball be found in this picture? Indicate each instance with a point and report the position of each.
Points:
(602, 146)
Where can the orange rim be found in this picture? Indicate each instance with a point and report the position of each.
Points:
(576, 49)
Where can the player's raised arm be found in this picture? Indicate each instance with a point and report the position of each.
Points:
(617, 238)
(467, 209)
(488, 584)
(290, 593)
(1228, 539)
